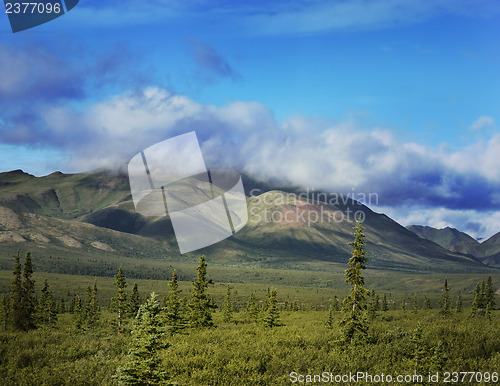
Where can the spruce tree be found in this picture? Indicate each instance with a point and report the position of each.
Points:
(78, 312)
(93, 316)
(46, 311)
(28, 300)
(427, 303)
(16, 301)
(336, 306)
(174, 308)
(354, 323)
(329, 319)
(272, 316)
(227, 308)
(201, 304)
(490, 294)
(252, 310)
(459, 305)
(415, 304)
(143, 366)
(385, 305)
(4, 312)
(135, 301)
(119, 301)
(445, 299)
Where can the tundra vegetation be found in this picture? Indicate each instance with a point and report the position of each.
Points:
(229, 333)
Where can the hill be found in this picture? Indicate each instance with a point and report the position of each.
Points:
(69, 218)
(449, 238)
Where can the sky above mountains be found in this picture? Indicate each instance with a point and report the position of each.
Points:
(394, 98)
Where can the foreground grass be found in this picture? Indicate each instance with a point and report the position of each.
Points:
(245, 353)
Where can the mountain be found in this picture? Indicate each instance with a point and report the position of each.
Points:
(449, 238)
(89, 220)
(491, 251)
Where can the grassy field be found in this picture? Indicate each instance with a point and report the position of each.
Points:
(245, 353)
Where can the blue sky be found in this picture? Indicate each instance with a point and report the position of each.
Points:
(398, 98)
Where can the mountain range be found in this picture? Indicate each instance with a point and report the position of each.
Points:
(80, 222)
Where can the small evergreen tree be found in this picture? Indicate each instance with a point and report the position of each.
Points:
(427, 303)
(4, 312)
(415, 304)
(385, 305)
(174, 308)
(478, 307)
(61, 308)
(28, 303)
(354, 323)
(16, 301)
(329, 319)
(490, 294)
(78, 312)
(201, 304)
(445, 299)
(459, 306)
(272, 315)
(419, 350)
(46, 311)
(143, 366)
(227, 308)
(135, 301)
(119, 301)
(336, 305)
(252, 310)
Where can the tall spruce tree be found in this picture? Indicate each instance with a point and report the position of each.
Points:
(415, 304)
(445, 299)
(16, 301)
(134, 301)
(201, 304)
(78, 312)
(174, 308)
(354, 324)
(227, 307)
(119, 301)
(28, 303)
(46, 310)
(329, 318)
(271, 316)
(143, 366)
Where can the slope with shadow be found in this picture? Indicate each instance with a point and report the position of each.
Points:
(67, 213)
(449, 238)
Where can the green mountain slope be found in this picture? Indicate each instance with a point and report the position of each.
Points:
(72, 217)
(449, 238)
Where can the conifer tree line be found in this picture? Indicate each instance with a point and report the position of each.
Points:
(20, 309)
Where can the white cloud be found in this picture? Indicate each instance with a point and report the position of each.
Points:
(483, 121)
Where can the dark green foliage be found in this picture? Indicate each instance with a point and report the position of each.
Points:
(46, 310)
(143, 365)
(490, 294)
(201, 304)
(4, 312)
(119, 301)
(227, 307)
(271, 317)
(28, 303)
(420, 353)
(385, 305)
(445, 299)
(16, 300)
(459, 306)
(78, 314)
(175, 317)
(134, 301)
(88, 317)
(415, 304)
(329, 319)
(252, 310)
(336, 305)
(354, 324)
(427, 303)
